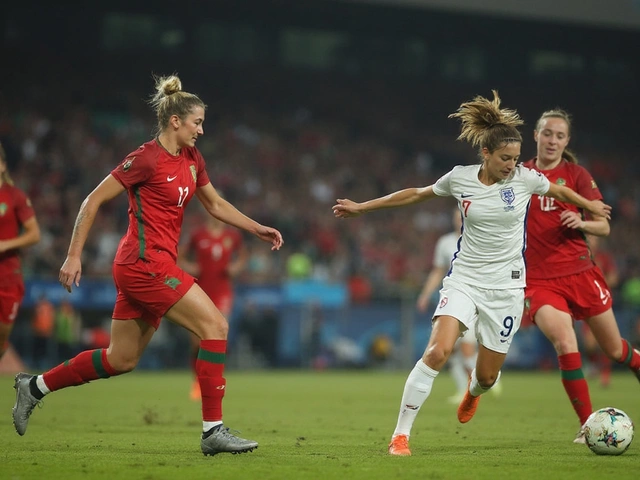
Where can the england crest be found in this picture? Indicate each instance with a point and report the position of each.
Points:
(508, 196)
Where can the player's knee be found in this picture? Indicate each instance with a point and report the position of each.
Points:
(486, 379)
(436, 356)
(123, 363)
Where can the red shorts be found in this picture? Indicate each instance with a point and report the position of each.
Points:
(10, 300)
(582, 295)
(147, 289)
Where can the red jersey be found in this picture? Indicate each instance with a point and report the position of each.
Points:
(15, 209)
(213, 253)
(552, 249)
(159, 186)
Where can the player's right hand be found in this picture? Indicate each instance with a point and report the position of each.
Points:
(70, 273)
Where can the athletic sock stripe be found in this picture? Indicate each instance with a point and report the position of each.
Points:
(211, 357)
(627, 360)
(572, 374)
(96, 358)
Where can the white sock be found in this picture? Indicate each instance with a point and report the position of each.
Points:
(474, 387)
(416, 390)
(458, 371)
(206, 426)
(41, 385)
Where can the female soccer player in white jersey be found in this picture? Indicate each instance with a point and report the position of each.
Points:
(485, 285)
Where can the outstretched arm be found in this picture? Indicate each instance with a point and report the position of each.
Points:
(565, 194)
(346, 208)
(219, 208)
(71, 269)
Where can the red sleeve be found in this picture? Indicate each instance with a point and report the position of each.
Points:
(586, 185)
(135, 168)
(24, 209)
(203, 177)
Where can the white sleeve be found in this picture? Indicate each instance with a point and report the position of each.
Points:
(442, 187)
(535, 181)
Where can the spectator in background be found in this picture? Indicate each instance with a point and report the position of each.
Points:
(160, 177)
(68, 326)
(485, 286)
(18, 229)
(42, 326)
(215, 254)
(563, 282)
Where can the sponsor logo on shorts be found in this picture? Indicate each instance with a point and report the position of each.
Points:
(443, 302)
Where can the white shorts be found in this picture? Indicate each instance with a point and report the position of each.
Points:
(495, 314)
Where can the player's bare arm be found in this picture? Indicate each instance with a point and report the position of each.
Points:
(597, 225)
(71, 269)
(346, 208)
(565, 194)
(30, 235)
(219, 208)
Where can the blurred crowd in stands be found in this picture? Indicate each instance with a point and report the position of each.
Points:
(283, 157)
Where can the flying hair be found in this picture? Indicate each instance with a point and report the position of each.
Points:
(486, 125)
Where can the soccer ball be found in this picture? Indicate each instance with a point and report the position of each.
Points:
(608, 431)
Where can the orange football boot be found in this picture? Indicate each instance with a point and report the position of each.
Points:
(400, 446)
(467, 407)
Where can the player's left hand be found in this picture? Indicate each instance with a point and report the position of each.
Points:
(271, 235)
(600, 209)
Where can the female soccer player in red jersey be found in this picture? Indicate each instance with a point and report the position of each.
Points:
(219, 256)
(160, 178)
(18, 228)
(563, 282)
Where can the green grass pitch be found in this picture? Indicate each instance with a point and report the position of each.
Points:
(310, 425)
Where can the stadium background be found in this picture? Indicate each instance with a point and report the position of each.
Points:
(310, 101)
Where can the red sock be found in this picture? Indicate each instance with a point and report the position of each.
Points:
(630, 356)
(84, 367)
(209, 370)
(575, 385)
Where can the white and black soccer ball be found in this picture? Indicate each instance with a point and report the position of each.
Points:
(608, 431)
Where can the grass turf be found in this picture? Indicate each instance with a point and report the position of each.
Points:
(310, 425)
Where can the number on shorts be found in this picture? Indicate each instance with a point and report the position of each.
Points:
(507, 323)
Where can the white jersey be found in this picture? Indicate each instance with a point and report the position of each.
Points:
(490, 253)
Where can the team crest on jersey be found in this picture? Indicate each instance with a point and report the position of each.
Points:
(127, 164)
(561, 181)
(593, 183)
(508, 196)
(3, 209)
(193, 172)
(227, 243)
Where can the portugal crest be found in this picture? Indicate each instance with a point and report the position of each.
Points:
(193, 173)
(3, 209)
(508, 196)
(127, 164)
